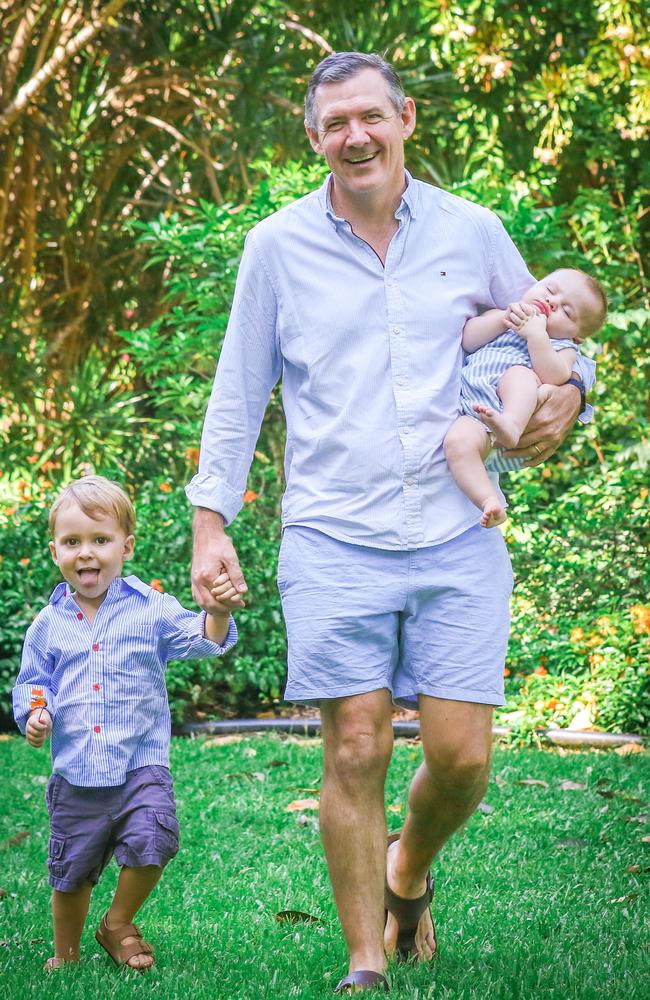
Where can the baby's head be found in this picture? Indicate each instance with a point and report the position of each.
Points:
(91, 523)
(576, 303)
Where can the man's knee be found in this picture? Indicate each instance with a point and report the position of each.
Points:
(460, 769)
(358, 749)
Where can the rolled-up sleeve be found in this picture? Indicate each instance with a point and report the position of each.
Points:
(183, 633)
(249, 366)
(33, 684)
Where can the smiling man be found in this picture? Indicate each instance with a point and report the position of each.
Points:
(357, 295)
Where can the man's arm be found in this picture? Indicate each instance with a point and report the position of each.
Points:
(249, 366)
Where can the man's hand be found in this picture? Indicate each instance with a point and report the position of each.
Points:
(557, 409)
(213, 555)
(39, 726)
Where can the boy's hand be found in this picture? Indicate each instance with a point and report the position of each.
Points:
(533, 326)
(39, 726)
(225, 595)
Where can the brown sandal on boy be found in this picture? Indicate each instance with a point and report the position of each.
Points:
(53, 964)
(113, 943)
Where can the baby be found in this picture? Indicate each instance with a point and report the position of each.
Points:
(93, 673)
(511, 353)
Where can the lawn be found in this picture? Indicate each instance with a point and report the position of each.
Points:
(544, 894)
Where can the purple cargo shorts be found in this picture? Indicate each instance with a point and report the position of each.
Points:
(135, 821)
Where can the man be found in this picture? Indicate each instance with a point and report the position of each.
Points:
(357, 295)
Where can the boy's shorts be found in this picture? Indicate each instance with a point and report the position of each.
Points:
(431, 621)
(135, 821)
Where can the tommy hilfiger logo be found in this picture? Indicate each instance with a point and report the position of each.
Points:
(443, 274)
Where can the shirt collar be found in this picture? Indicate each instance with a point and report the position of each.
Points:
(409, 202)
(118, 588)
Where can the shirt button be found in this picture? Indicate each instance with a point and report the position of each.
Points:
(396, 330)
(98, 729)
(410, 482)
(406, 430)
(80, 616)
(96, 687)
(95, 647)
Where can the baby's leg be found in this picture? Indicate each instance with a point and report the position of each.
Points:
(69, 911)
(467, 445)
(133, 887)
(517, 391)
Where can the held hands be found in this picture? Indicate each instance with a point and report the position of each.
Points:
(39, 726)
(225, 595)
(214, 555)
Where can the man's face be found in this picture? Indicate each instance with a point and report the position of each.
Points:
(361, 135)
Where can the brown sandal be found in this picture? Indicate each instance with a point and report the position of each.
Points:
(407, 913)
(111, 942)
(365, 980)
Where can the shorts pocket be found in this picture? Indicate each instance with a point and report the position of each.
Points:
(56, 852)
(166, 832)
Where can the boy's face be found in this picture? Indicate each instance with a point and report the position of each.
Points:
(89, 551)
(574, 308)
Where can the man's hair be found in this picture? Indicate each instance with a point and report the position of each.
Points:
(341, 66)
(96, 496)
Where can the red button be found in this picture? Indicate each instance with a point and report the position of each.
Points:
(95, 647)
(96, 687)
(80, 616)
(98, 729)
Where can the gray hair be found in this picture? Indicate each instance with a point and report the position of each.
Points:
(341, 66)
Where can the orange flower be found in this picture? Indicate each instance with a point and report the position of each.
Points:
(250, 496)
(640, 614)
(24, 562)
(157, 585)
(596, 639)
(552, 703)
(165, 488)
(540, 670)
(576, 634)
(32, 459)
(192, 455)
(506, 672)
(596, 659)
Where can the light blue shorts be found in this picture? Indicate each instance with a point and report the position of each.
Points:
(431, 621)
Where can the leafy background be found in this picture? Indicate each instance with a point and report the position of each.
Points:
(138, 143)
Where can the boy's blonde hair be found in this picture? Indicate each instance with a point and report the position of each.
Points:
(96, 495)
(594, 286)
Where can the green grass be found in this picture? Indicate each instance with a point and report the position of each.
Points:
(519, 913)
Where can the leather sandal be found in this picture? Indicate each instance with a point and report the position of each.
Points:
(53, 964)
(112, 942)
(407, 913)
(364, 978)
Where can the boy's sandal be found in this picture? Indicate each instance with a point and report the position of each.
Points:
(53, 964)
(112, 942)
(365, 979)
(407, 913)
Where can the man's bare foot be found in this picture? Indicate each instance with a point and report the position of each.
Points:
(425, 939)
(493, 513)
(505, 430)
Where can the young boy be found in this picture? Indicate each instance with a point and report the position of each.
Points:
(92, 673)
(512, 352)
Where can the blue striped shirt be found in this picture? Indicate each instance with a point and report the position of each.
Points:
(104, 682)
(370, 358)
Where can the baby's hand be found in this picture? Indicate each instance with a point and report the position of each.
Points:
(226, 594)
(39, 726)
(533, 325)
(517, 313)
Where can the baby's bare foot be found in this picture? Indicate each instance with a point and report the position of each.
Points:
(505, 430)
(493, 513)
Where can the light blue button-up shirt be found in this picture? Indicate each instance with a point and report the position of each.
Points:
(370, 358)
(104, 682)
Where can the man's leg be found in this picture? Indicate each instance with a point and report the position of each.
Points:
(457, 743)
(358, 741)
